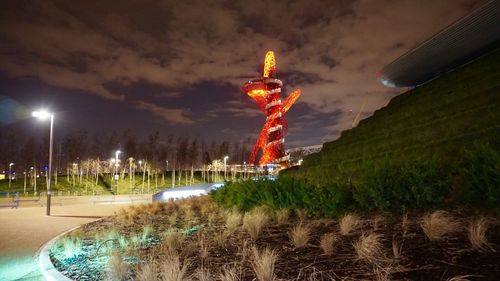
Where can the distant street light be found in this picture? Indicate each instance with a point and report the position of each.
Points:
(225, 166)
(116, 170)
(43, 114)
(10, 173)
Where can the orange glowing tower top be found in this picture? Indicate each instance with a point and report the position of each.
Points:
(265, 91)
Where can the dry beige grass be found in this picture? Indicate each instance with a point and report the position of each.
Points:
(263, 263)
(327, 243)
(203, 249)
(477, 235)
(173, 270)
(300, 235)
(382, 273)
(147, 272)
(460, 278)
(281, 216)
(369, 247)
(231, 273)
(396, 249)
(202, 274)
(117, 268)
(405, 224)
(302, 214)
(348, 223)
(220, 239)
(173, 240)
(254, 221)
(438, 224)
(172, 219)
(233, 221)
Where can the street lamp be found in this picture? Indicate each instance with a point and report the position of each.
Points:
(116, 170)
(225, 166)
(43, 114)
(10, 173)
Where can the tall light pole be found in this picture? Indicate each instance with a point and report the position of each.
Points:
(116, 170)
(225, 166)
(43, 114)
(10, 173)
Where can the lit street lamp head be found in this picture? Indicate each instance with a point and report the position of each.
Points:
(41, 114)
(11, 164)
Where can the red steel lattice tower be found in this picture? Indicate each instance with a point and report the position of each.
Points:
(265, 91)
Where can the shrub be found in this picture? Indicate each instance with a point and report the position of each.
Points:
(286, 193)
(480, 174)
(399, 186)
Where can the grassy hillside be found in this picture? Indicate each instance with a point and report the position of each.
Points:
(439, 120)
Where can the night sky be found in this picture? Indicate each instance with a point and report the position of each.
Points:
(177, 66)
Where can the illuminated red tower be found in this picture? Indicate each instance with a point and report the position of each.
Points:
(265, 91)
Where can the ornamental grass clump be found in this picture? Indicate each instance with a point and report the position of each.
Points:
(69, 247)
(477, 235)
(348, 223)
(117, 267)
(147, 272)
(171, 269)
(438, 225)
(327, 243)
(254, 221)
(369, 247)
(173, 239)
(263, 263)
(231, 273)
(281, 216)
(233, 221)
(300, 235)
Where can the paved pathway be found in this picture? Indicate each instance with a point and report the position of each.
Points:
(24, 230)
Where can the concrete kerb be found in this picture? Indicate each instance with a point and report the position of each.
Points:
(46, 267)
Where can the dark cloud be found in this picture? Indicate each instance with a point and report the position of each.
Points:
(332, 50)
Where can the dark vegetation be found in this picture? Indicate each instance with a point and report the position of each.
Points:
(437, 122)
(388, 186)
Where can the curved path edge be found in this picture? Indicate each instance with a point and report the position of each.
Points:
(46, 267)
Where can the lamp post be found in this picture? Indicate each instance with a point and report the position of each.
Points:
(43, 114)
(116, 170)
(10, 173)
(225, 166)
